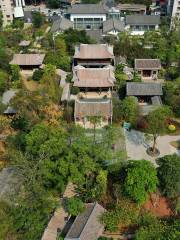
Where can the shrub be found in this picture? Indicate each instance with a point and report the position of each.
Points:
(69, 77)
(37, 75)
(125, 213)
(75, 206)
(75, 90)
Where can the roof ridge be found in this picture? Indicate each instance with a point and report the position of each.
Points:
(87, 219)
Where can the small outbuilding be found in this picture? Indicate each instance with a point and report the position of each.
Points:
(148, 95)
(87, 225)
(28, 61)
(139, 24)
(147, 68)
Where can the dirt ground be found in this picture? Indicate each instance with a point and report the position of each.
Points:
(159, 206)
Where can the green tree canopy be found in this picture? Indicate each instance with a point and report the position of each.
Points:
(169, 175)
(141, 179)
(75, 206)
(129, 109)
(3, 81)
(157, 123)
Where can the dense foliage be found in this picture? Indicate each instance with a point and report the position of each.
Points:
(141, 179)
(168, 173)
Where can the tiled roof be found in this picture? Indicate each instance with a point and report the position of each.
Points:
(94, 51)
(28, 59)
(87, 9)
(87, 226)
(144, 89)
(61, 25)
(93, 107)
(147, 64)
(112, 24)
(94, 77)
(131, 7)
(142, 20)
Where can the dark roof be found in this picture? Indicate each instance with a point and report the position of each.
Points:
(142, 20)
(87, 225)
(61, 25)
(147, 64)
(93, 107)
(143, 89)
(113, 24)
(87, 9)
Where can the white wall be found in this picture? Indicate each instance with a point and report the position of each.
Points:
(72, 16)
(7, 11)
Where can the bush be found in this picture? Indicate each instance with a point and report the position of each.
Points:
(37, 75)
(69, 77)
(125, 213)
(75, 90)
(3, 81)
(75, 206)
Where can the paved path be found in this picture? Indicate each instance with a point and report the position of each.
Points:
(63, 75)
(136, 145)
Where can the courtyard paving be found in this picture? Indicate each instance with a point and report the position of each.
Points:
(136, 145)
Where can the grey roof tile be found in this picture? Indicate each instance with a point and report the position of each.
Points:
(142, 20)
(86, 225)
(144, 89)
(87, 9)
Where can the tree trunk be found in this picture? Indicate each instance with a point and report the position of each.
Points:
(154, 144)
(94, 133)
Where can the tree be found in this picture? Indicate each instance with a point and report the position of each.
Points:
(169, 175)
(1, 20)
(3, 81)
(37, 75)
(141, 179)
(75, 206)
(15, 73)
(50, 83)
(37, 19)
(150, 228)
(157, 123)
(95, 121)
(129, 110)
(123, 214)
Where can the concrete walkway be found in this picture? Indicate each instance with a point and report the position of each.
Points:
(136, 145)
(63, 75)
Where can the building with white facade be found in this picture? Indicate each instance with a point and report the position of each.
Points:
(174, 8)
(87, 16)
(7, 8)
(139, 24)
(11, 9)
